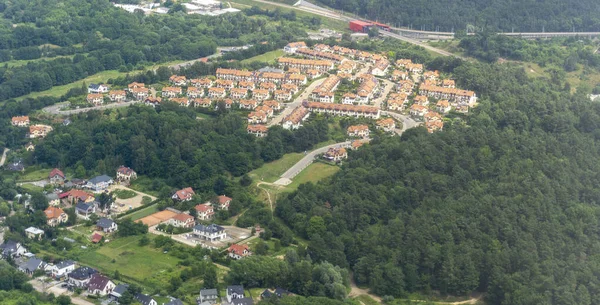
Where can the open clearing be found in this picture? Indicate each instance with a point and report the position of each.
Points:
(271, 171)
(266, 57)
(129, 203)
(143, 212)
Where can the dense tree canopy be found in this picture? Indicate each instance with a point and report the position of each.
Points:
(504, 15)
(507, 204)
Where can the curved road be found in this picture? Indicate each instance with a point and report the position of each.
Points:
(55, 109)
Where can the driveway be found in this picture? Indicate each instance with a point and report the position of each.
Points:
(289, 107)
(387, 87)
(54, 287)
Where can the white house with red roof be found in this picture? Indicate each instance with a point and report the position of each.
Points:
(125, 173)
(238, 251)
(56, 176)
(182, 220)
(185, 194)
(205, 211)
(223, 202)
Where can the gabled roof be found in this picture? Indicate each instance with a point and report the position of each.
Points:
(266, 294)
(98, 281)
(33, 264)
(238, 249)
(120, 289)
(184, 193)
(175, 302)
(143, 298)
(65, 264)
(56, 172)
(83, 206)
(281, 292)
(209, 292)
(239, 289)
(82, 273)
(203, 208)
(223, 199)
(104, 223)
(53, 212)
(242, 301)
(100, 179)
(182, 217)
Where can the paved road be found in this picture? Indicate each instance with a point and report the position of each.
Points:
(6, 150)
(55, 109)
(387, 87)
(407, 122)
(287, 177)
(289, 107)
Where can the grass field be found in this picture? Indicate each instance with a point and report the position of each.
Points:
(35, 175)
(143, 212)
(18, 63)
(366, 300)
(31, 187)
(271, 171)
(313, 173)
(124, 194)
(124, 254)
(267, 57)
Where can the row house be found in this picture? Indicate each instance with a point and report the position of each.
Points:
(227, 102)
(387, 124)
(202, 102)
(431, 75)
(135, 85)
(321, 55)
(448, 83)
(399, 75)
(414, 68)
(336, 154)
(443, 106)
(276, 106)
(282, 95)
(347, 67)
(429, 82)
(322, 48)
(293, 47)
(295, 119)
(139, 93)
(268, 86)
(39, 131)
(349, 98)
(248, 104)
(306, 64)
(238, 93)
(258, 130)
(344, 110)
(274, 77)
(177, 80)
(462, 108)
(290, 87)
(216, 93)
(323, 96)
(246, 85)
(397, 101)
(368, 86)
(194, 92)
(432, 116)
(171, 92)
(417, 110)
(296, 79)
(225, 84)
(266, 109)
(201, 82)
(257, 117)
(402, 63)
(358, 131)
(464, 96)
(152, 101)
(405, 86)
(20, 121)
(330, 84)
(117, 95)
(181, 101)
(95, 99)
(381, 67)
(235, 75)
(260, 94)
(421, 100)
(312, 73)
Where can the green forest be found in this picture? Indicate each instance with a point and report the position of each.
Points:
(498, 15)
(507, 204)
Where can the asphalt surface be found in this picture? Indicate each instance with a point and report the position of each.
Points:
(55, 109)
(287, 177)
(387, 87)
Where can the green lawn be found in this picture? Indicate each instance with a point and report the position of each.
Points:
(366, 300)
(138, 263)
(267, 57)
(143, 212)
(18, 63)
(35, 175)
(124, 194)
(31, 187)
(145, 185)
(313, 173)
(271, 171)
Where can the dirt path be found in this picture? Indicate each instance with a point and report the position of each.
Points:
(6, 150)
(268, 195)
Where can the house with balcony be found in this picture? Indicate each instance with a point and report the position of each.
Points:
(210, 232)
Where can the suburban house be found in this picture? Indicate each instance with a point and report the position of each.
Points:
(443, 106)
(248, 104)
(177, 80)
(225, 84)
(238, 93)
(358, 131)
(62, 269)
(56, 176)
(100, 285)
(257, 117)
(202, 102)
(292, 47)
(39, 131)
(418, 110)
(126, 174)
(135, 85)
(387, 125)
(223, 202)
(185, 194)
(238, 251)
(348, 98)
(152, 101)
(145, 299)
(81, 276)
(74, 196)
(260, 94)
(276, 106)
(118, 292)
(106, 225)
(193, 92)
(99, 183)
(97, 88)
(448, 83)
(283, 95)
(211, 232)
(201, 83)
(433, 126)
(381, 67)
(336, 154)
(242, 301)
(216, 92)
(171, 92)
(205, 211)
(139, 93)
(258, 130)
(20, 121)
(234, 292)
(117, 95)
(210, 296)
(356, 144)
(182, 220)
(95, 99)
(421, 100)
(85, 209)
(293, 89)
(278, 292)
(399, 75)
(247, 85)
(55, 216)
(266, 109)
(13, 249)
(269, 86)
(295, 119)
(296, 79)
(34, 233)
(181, 101)
(31, 265)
